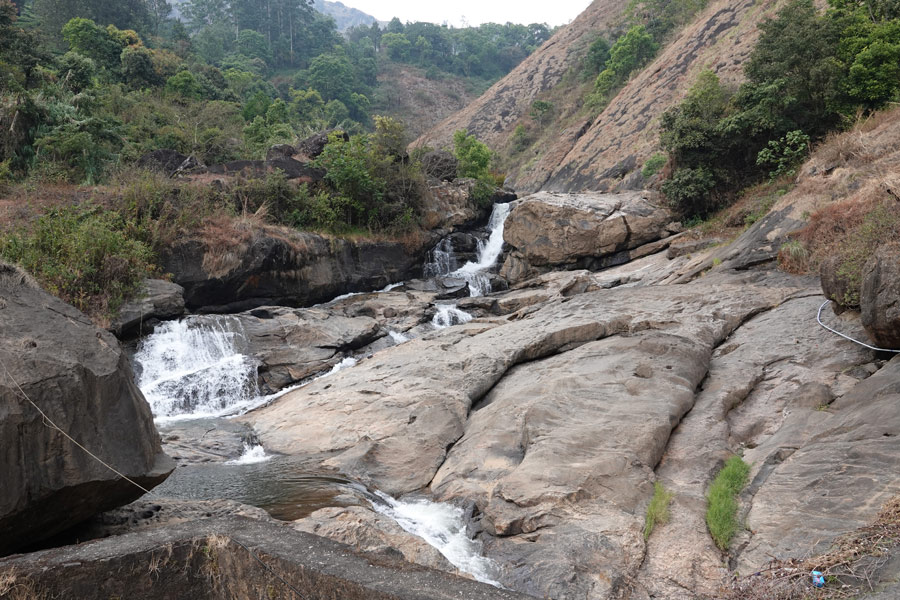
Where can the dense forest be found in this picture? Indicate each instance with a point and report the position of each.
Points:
(88, 89)
(86, 86)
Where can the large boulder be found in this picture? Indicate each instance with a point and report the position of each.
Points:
(158, 300)
(879, 297)
(550, 230)
(315, 144)
(836, 286)
(55, 359)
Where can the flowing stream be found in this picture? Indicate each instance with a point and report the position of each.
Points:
(198, 369)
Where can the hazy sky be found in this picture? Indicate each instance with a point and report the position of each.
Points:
(475, 12)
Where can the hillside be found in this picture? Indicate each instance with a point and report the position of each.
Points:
(578, 150)
(405, 93)
(344, 16)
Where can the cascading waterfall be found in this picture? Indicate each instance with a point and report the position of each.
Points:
(442, 261)
(475, 273)
(449, 314)
(193, 369)
(444, 527)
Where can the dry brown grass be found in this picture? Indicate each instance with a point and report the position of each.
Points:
(14, 587)
(850, 566)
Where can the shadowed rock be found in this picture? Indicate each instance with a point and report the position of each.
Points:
(81, 379)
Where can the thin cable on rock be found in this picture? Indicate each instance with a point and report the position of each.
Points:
(49, 422)
(847, 337)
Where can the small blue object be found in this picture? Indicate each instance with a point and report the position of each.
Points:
(818, 579)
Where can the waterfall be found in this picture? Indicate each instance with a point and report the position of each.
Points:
(444, 527)
(442, 262)
(447, 315)
(193, 369)
(476, 273)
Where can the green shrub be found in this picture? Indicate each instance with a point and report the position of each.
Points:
(784, 154)
(654, 164)
(722, 504)
(475, 160)
(688, 191)
(521, 138)
(84, 256)
(657, 510)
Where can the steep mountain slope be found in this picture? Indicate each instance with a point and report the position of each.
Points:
(493, 116)
(606, 151)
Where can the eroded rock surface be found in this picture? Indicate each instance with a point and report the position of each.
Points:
(81, 379)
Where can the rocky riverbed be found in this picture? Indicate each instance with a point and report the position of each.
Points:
(515, 435)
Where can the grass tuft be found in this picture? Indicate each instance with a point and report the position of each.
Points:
(657, 510)
(722, 505)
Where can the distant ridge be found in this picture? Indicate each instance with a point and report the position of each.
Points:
(345, 16)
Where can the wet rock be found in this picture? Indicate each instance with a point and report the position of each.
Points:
(158, 300)
(81, 379)
(284, 267)
(880, 297)
(367, 531)
(292, 345)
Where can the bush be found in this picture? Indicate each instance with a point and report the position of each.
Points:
(654, 164)
(722, 505)
(84, 256)
(688, 191)
(657, 510)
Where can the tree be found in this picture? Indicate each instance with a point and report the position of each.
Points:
(397, 46)
(631, 51)
(124, 14)
(540, 110)
(89, 39)
(137, 67)
(595, 60)
(252, 44)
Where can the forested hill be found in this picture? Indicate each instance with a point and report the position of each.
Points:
(102, 83)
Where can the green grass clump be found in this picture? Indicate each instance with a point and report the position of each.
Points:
(654, 164)
(84, 256)
(657, 510)
(722, 505)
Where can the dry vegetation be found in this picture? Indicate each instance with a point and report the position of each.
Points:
(850, 567)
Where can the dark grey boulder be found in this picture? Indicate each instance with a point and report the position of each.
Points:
(78, 375)
(164, 160)
(315, 144)
(280, 151)
(158, 300)
(879, 297)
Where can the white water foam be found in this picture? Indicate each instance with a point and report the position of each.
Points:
(443, 526)
(398, 337)
(344, 364)
(442, 261)
(252, 455)
(447, 315)
(476, 273)
(192, 369)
